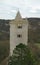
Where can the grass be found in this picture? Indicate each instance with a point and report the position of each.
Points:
(4, 49)
(38, 45)
(1, 33)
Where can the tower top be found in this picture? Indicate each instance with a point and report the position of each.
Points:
(18, 16)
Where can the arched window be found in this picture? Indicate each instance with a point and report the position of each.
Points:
(19, 26)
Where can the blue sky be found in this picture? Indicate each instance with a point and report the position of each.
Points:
(27, 8)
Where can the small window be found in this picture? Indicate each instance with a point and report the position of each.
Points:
(19, 26)
(19, 35)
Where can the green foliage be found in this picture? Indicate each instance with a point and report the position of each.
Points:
(22, 56)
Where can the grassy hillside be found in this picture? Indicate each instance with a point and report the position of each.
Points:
(4, 45)
(34, 30)
(4, 49)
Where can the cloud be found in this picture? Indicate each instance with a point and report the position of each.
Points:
(28, 8)
(33, 11)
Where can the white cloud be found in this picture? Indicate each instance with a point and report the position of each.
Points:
(33, 11)
(13, 11)
(27, 8)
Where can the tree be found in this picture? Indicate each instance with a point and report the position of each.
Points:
(22, 56)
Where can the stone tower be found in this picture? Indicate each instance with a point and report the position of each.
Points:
(18, 31)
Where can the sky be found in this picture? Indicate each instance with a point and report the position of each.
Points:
(27, 8)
